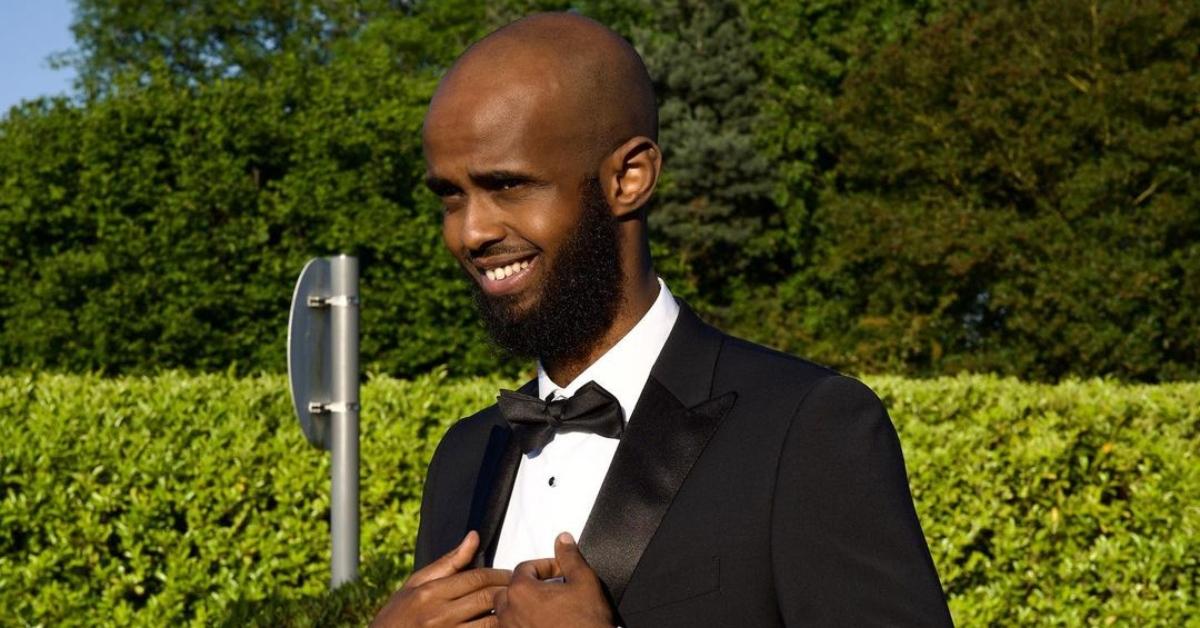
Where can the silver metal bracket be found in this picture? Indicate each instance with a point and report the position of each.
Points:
(332, 408)
(338, 301)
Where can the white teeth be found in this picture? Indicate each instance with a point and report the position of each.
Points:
(504, 272)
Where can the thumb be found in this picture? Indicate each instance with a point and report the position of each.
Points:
(570, 561)
(450, 563)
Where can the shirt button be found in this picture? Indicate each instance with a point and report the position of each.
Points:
(552, 481)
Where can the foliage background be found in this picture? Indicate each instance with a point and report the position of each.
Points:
(882, 186)
(920, 188)
(194, 499)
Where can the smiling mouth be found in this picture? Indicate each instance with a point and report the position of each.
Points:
(504, 275)
(507, 271)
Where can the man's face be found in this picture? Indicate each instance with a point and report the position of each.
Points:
(531, 231)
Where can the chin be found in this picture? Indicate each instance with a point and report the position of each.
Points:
(512, 309)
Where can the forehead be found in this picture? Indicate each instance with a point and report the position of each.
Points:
(512, 120)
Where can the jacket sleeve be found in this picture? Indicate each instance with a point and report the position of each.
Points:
(425, 551)
(847, 548)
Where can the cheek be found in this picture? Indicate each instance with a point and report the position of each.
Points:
(551, 224)
(450, 235)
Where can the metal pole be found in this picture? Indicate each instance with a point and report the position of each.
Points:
(344, 417)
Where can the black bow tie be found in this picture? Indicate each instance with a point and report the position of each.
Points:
(534, 421)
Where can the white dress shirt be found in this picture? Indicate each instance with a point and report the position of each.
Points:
(555, 487)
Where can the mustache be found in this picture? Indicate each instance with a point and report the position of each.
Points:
(499, 250)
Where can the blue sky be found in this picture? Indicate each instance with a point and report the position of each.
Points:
(30, 31)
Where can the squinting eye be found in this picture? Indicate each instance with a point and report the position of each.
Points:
(450, 203)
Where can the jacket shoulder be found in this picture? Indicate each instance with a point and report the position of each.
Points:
(470, 431)
(449, 479)
(749, 364)
(797, 382)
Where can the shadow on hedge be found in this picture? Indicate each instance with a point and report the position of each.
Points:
(353, 604)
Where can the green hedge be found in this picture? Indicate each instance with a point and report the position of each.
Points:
(175, 498)
(194, 499)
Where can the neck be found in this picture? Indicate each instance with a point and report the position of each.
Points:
(638, 297)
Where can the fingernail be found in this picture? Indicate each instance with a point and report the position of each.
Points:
(566, 538)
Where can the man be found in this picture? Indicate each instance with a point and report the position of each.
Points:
(709, 481)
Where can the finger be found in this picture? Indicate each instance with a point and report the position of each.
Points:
(500, 601)
(484, 622)
(538, 569)
(449, 564)
(466, 582)
(570, 561)
(472, 605)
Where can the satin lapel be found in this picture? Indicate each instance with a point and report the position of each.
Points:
(493, 485)
(656, 453)
(675, 416)
(492, 490)
(688, 361)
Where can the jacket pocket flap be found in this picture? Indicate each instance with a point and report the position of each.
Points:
(671, 583)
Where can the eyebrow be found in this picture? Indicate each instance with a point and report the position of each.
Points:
(439, 185)
(490, 180)
(496, 178)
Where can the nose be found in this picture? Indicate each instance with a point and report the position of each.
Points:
(482, 224)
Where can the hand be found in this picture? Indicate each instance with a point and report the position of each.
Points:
(442, 594)
(577, 601)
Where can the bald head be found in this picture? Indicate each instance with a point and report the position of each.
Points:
(583, 79)
(540, 143)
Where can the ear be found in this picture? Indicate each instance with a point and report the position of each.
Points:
(629, 173)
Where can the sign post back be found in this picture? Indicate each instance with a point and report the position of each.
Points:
(323, 376)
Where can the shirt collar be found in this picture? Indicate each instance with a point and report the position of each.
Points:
(624, 368)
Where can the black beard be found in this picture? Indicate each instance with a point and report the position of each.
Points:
(581, 296)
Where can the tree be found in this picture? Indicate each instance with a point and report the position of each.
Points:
(713, 215)
(202, 40)
(199, 41)
(161, 224)
(1016, 190)
(880, 186)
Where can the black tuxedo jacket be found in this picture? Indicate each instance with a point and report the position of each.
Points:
(750, 488)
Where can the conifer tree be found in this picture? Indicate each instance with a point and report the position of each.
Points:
(714, 203)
